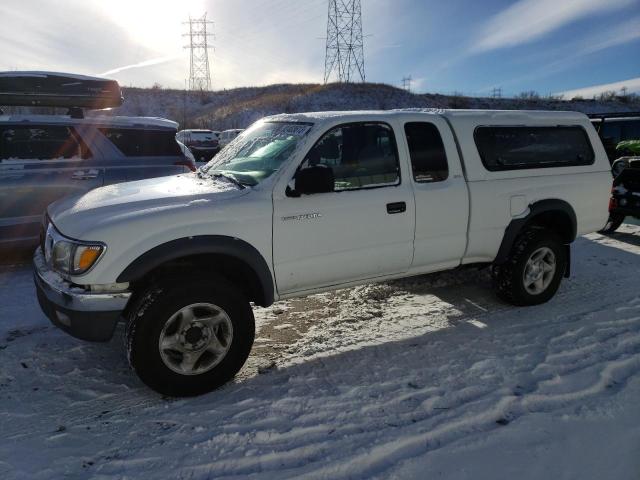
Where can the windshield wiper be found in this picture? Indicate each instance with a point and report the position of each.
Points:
(231, 178)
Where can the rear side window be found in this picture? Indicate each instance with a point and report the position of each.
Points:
(428, 157)
(143, 143)
(46, 142)
(514, 148)
(361, 155)
(616, 131)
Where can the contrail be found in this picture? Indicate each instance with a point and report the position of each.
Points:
(146, 63)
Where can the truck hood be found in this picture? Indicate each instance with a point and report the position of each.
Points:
(78, 216)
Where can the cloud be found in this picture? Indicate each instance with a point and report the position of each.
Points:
(529, 20)
(146, 63)
(623, 33)
(572, 54)
(632, 85)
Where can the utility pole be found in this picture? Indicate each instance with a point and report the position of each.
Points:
(406, 83)
(198, 34)
(344, 53)
(497, 92)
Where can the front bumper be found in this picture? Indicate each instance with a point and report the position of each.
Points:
(82, 314)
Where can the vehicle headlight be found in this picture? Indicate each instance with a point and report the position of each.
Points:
(68, 256)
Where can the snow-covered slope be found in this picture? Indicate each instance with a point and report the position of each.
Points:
(237, 108)
(430, 377)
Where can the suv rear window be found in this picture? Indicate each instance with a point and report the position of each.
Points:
(43, 142)
(143, 143)
(515, 148)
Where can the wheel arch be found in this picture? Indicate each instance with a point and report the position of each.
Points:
(554, 214)
(230, 257)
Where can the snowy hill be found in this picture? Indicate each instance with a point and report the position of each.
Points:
(238, 108)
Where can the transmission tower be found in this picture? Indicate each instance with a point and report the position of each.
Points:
(345, 47)
(198, 34)
(497, 92)
(406, 83)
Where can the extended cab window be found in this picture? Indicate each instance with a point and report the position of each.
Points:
(20, 143)
(361, 155)
(513, 148)
(143, 143)
(428, 157)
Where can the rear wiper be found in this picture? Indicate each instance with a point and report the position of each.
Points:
(231, 178)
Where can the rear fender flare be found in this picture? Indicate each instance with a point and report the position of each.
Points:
(517, 225)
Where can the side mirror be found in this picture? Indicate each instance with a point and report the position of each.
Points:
(316, 179)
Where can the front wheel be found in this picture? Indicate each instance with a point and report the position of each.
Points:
(187, 337)
(534, 269)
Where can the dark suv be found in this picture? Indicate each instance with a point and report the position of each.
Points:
(616, 130)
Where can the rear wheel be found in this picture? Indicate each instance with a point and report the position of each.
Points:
(614, 222)
(534, 269)
(189, 336)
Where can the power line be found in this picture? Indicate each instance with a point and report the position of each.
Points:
(199, 73)
(496, 92)
(344, 51)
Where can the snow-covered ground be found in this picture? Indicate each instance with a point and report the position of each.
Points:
(430, 377)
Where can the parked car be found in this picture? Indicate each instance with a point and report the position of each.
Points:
(308, 203)
(46, 157)
(204, 144)
(227, 135)
(620, 135)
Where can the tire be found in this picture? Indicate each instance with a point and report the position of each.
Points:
(210, 320)
(614, 222)
(509, 279)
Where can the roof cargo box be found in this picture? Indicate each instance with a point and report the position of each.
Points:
(48, 89)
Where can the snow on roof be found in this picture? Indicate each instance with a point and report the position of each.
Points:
(92, 120)
(493, 114)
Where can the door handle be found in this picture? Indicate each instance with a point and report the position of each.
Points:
(396, 207)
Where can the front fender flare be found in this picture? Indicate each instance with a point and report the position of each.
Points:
(200, 245)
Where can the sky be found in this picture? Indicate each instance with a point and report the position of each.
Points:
(570, 47)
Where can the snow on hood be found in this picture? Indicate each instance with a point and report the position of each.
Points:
(76, 215)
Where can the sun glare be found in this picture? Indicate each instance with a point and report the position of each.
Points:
(153, 24)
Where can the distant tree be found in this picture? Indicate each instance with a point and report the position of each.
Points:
(607, 96)
(529, 95)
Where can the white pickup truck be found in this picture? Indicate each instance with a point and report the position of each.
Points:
(304, 203)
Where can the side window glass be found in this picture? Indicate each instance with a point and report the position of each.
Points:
(515, 147)
(610, 133)
(362, 155)
(143, 143)
(426, 149)
(40, 143)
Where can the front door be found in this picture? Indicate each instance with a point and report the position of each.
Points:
(363, 229)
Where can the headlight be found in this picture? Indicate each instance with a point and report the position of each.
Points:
(70, 256)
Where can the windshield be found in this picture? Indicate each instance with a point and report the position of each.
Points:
(258, 152)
